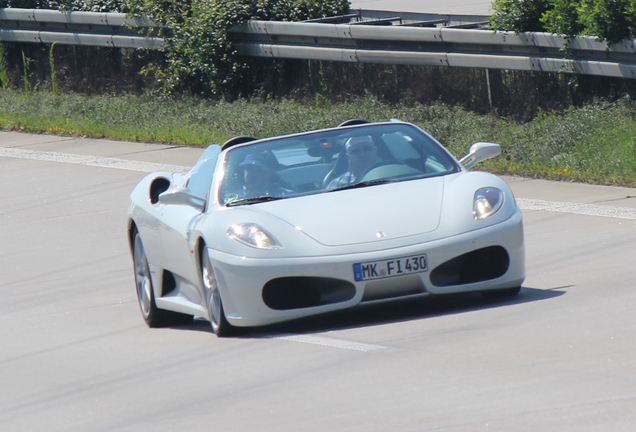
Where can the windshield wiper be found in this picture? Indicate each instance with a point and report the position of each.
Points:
(253, 200)
(361, 185)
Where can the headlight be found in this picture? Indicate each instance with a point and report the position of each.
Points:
(487, 202)
(253, 235)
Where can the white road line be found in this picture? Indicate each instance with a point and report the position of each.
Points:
(578, 208)
(125, 164)
(95, 161)
(333, 343)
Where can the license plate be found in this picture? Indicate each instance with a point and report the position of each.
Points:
(391, 267)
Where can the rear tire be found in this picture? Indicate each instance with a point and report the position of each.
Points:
(153, 316)
(220, 326)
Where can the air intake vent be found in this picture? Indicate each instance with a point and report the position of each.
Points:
(476, 266)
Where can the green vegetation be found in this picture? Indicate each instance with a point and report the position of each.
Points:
(53, 77)
(608, 20)
(594, 143)
(518, 16)
(4, 72)
(80, 5)
(200, 58)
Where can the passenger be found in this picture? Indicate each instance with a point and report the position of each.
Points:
(260, 178)
(361, 154)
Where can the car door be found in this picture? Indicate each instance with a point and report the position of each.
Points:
(178, 219)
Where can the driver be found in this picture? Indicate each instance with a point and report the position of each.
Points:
(361, 154)
(259, 177)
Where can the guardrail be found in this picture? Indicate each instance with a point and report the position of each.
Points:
(114, 30)
(362, 37)
(435, 46)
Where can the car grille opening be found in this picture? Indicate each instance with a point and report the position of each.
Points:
(476, 266)
(303, 292)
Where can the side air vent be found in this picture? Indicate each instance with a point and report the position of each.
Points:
(157, 187)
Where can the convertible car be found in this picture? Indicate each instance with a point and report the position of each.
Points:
(262, 231)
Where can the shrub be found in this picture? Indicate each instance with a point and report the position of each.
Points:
(201, 58)
(563, 18)
(519, 15)
(609, 20)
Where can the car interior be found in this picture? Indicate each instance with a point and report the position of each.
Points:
(305, 164)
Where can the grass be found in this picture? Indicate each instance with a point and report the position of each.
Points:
(593, 144)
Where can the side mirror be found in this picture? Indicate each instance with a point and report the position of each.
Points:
(182, 196)
(479, 152)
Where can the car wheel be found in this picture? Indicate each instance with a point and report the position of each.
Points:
(220, 326)
(507, 292)
(153, 316)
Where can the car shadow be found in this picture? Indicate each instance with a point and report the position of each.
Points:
(399, 310)
(403, 310)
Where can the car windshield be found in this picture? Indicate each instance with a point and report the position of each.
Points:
(330, 161)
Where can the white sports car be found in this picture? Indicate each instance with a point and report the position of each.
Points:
(270, 230)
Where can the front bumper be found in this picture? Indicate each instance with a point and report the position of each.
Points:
(242, 280)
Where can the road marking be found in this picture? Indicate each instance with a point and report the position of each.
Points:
(95, 161)
(149, 167)
(577, 208)
(333, 343)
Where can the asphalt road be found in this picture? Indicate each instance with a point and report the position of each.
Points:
(76, 355)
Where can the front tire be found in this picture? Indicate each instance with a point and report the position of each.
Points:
(153, 316)
(220, 326)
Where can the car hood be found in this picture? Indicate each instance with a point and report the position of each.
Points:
(363, 215)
